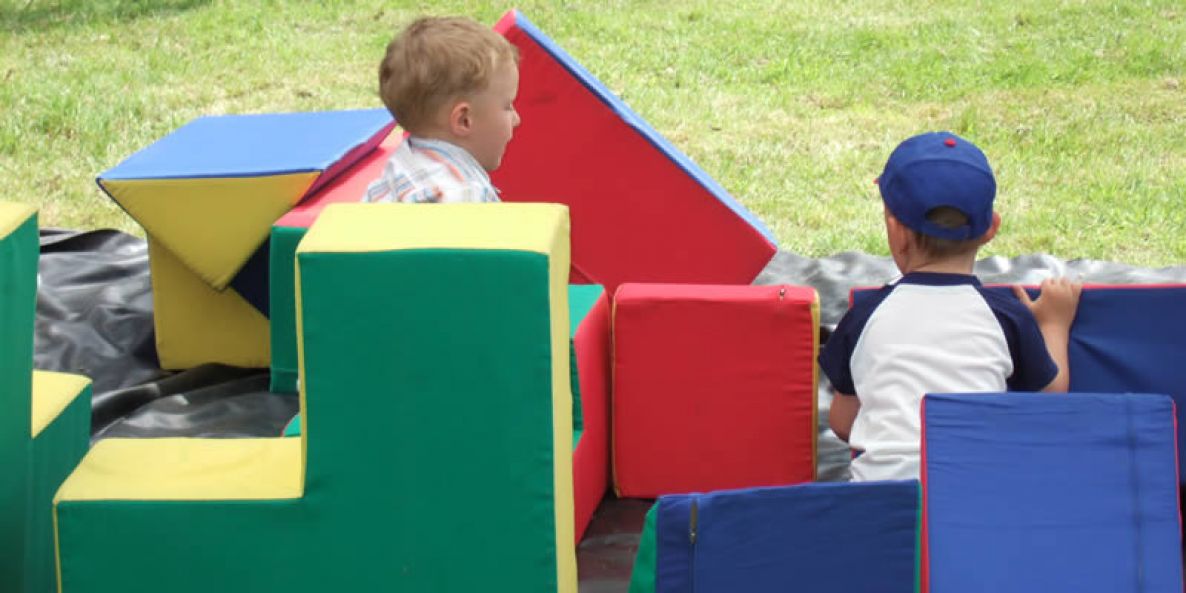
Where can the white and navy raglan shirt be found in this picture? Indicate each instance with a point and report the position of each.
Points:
(927, 333)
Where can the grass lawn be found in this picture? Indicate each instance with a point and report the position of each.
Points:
(792, 106)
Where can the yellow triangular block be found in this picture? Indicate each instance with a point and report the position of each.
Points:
(13, 215)
(212, 225)
(196, 324)
(52, 393)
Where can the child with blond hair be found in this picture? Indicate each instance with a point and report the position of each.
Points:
(451, 84)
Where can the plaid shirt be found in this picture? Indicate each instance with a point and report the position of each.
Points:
(423, 170)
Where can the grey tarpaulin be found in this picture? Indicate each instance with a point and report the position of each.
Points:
(94, 316)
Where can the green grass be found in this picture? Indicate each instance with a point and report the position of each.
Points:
(792, 106)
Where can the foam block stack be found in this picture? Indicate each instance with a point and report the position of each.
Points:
(207, 195)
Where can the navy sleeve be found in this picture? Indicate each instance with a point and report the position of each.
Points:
(837, 353)
(834, 358)
(1033, 367)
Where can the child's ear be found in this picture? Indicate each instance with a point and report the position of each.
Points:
(460, 119)
(893, 226)
(897, 235)
(992, 229)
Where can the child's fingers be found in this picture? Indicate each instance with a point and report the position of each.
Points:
(1062, 289)
(1022, 295)
(1060, 284)
(1075, 288)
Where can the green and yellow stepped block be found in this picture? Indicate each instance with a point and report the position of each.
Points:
(587, 346)
(46, 419)
(282, 334)
(581, 299)
(207, 195)
(436, 419)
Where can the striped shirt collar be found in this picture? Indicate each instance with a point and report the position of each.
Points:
(460, 157)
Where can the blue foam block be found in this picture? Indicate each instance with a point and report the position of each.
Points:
(1132, 339)
(809, 537)
(1051, 492)
(253, 145)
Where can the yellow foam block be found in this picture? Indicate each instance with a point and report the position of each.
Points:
(52, 392)
(197, 324)
(350, 227)
(558, 267)
(187, 469)
(13, 215)
(212, 225)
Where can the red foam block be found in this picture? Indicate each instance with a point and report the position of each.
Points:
(349, 186)
(641, 211)
(590, 460)
(714, 387)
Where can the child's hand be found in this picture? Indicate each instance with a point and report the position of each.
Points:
(1056, 304)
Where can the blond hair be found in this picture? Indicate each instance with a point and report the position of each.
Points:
(436, 60)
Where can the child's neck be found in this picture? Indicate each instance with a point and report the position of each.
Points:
(948, 265)
(944, 269)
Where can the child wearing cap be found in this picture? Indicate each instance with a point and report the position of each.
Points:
(451, 84)
(935, 330)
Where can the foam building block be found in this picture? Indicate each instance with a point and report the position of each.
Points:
(714, 387)
(1127, 338)
(457, 476)
(857, 538)
(1041, 492)
(590, 363)
(46, 423)
(624, 183)
(207, 195)
(589, 353)
(1130, 339)
(195, 324)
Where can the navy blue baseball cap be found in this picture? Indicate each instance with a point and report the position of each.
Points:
(939, 169)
